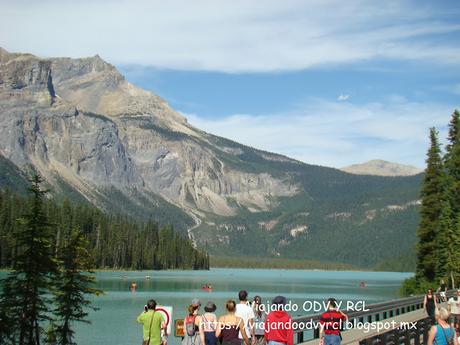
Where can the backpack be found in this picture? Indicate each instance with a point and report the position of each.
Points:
(190, 327)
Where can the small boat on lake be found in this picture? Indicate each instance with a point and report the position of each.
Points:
(207, 288)
(133, 287)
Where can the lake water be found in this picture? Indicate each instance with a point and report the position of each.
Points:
(115, 321)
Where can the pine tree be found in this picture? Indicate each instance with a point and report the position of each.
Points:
(431, 195)
(452, 163)
(9, 307)
(452, 198)
(114, 240)
(447, 246)
(73, 285)
(28, 282)
(442, 246)
(455, 264)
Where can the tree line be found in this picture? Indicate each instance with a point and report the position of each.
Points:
(438, 247)
(114, 241)
(51, 251)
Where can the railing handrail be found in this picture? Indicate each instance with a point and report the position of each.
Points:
(375, 307)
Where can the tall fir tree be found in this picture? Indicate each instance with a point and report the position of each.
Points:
(452, 166)
(25, 295)
(431, 195)
(447, 246)
(8, 310)
(452, 195)
(74, 284)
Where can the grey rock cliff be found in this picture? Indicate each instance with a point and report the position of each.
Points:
(80, 120)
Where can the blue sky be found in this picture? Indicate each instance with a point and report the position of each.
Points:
(325, 81)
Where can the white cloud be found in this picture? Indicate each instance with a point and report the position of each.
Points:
(338, 134)
(343, 97)
(230, 35)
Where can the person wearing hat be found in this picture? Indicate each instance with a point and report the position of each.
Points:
(208, 325)
(278, 325)
(192, 324)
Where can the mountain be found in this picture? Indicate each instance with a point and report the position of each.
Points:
(99, 139)
(382, 168)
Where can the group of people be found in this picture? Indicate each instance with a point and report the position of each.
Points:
(244, 323)
(445, 328)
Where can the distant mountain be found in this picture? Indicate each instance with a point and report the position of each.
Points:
(98, 139)
(382, 168)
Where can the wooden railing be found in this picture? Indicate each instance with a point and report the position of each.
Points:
(407, 336)
(374, 312)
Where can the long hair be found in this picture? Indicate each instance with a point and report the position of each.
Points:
(256, 306)
(191, 309)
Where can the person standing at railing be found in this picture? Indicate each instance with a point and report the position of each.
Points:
(331, 324)
(192, 324)
(208, 325)
(259, 321)
(229, 326)
(442, 333)
(430, 305)
(245, 312)
(152, 323)
(442, 291)
(453, 306)
(278, 324)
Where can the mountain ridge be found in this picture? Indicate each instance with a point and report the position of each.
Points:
(87, 130)
(382, 167)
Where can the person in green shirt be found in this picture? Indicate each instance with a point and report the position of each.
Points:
(153, 322)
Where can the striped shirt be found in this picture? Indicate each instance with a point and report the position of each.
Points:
(332, 322)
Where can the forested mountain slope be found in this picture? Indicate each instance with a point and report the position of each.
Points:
(97, 138)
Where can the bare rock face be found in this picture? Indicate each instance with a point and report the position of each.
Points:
(80, 120)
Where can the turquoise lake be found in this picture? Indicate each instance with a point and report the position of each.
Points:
(115, 321)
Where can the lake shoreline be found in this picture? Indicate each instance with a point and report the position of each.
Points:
(236, 267)
(255, 268)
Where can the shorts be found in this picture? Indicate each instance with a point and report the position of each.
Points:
(210, 338)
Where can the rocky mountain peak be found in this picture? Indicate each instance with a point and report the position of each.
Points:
(24, 75)
(382, 168)
(67, 68)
